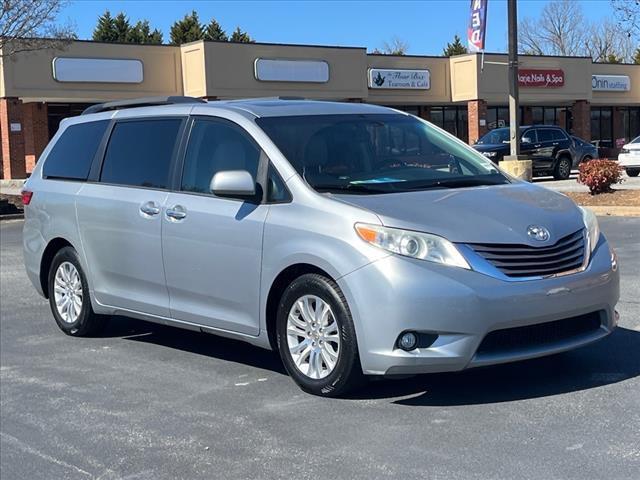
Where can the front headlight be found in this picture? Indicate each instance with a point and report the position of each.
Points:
(624, 150)
(593, 229)
(422, 246)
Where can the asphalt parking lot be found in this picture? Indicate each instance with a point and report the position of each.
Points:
(149, 402)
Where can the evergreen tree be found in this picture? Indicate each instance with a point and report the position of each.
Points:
(105, 30)
(612, 58)
(455, 48)
(240, 36)
(215, 32)
(189, 29)
(141, 33)
(122, 27)
(636, 56)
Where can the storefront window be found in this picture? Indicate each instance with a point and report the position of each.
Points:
(560, 116)
(452, 119)
(602, 126)
(631, 122)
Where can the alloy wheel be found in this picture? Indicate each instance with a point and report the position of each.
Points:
(68, 292)
(313, 337)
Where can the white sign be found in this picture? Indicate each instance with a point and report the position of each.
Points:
(276, 70)
(399, 79)
(16, 127)
(102, 70)
(610, 83)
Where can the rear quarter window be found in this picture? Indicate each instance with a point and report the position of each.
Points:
(71, 156)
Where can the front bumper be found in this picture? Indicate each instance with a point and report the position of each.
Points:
(396, 294)
(629, 160)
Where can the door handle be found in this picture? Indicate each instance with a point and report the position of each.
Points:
(150, 208)
(177, 212)
(555, 143)
(537, 146)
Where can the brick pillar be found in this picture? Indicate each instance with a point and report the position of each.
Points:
(527, 116)
(36, 132)
(424, 112)
(13, 165)
(582, 119)
(477, 111)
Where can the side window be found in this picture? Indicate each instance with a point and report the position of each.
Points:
(277, 191)
(72, 155)
(215, 146)
(139, 153)
(558, 135)
(544, 135)
(529, 137)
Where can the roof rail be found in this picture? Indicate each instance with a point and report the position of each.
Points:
(141, 102)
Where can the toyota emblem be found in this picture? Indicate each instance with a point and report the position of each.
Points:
(538, 233)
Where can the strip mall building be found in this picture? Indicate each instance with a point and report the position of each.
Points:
(463, 94)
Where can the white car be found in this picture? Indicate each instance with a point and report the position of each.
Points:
(629, 157)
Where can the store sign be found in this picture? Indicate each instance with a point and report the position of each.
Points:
(610, 83)
(540, 78)
(477, 29)
(102, 70)
(402, 79)
(305, 71)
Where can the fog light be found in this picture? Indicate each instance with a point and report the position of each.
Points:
(408, 341)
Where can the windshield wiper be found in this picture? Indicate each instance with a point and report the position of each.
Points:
(457, 183)
(349, 188)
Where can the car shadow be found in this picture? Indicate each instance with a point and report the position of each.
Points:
(193, 342)
(611, 360)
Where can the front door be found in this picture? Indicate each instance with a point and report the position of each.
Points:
(212, 246)
(120, 217)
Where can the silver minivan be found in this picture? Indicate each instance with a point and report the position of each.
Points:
(356, 240)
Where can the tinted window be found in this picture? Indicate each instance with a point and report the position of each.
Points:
(558, 135)
(73, 153)
(139, 153)
(216, 146)
(545, 135)
(529, 137)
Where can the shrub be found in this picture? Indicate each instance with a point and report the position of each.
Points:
(599, 175)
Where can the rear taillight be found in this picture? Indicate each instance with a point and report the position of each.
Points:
(26, 197)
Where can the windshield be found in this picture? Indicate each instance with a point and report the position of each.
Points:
(636, 140)
(495, 137)
(376, 153)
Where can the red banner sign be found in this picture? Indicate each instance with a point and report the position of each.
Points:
(541, 78)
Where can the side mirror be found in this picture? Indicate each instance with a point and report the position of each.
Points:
(233, 183)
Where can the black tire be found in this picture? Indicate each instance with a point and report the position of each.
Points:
(633, 172)
(88, 323)
(562, 170)
(347, 373)
(587, 158)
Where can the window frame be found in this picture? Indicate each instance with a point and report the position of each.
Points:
(96, 170)
(262, 173)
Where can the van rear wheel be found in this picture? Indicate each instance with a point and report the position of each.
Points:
(69, 296)
(316, 337)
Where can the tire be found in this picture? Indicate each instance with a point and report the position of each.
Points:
(78, 319)
(339, 332)
(586, 159)
(633, 172)
(562, 170)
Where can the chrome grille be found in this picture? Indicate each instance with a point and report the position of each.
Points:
(525, 261)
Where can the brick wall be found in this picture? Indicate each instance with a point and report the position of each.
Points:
(582, 119)
(477, 110)
(36, 132)
(12, 142)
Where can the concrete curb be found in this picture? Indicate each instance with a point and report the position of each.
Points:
(615, 211)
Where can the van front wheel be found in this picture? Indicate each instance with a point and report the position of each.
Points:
(316, 337)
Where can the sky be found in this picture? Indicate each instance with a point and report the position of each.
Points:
(425, 25)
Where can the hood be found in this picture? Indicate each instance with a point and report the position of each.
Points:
(487, 214)
(632, 146)
(490, 147)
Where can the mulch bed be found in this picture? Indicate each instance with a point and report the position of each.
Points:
(618, 198)
(10, 204)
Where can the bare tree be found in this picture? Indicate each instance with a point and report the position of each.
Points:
(396, 46)
(627, 15)
(606, 42)
(558, 31)
(27, 25)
